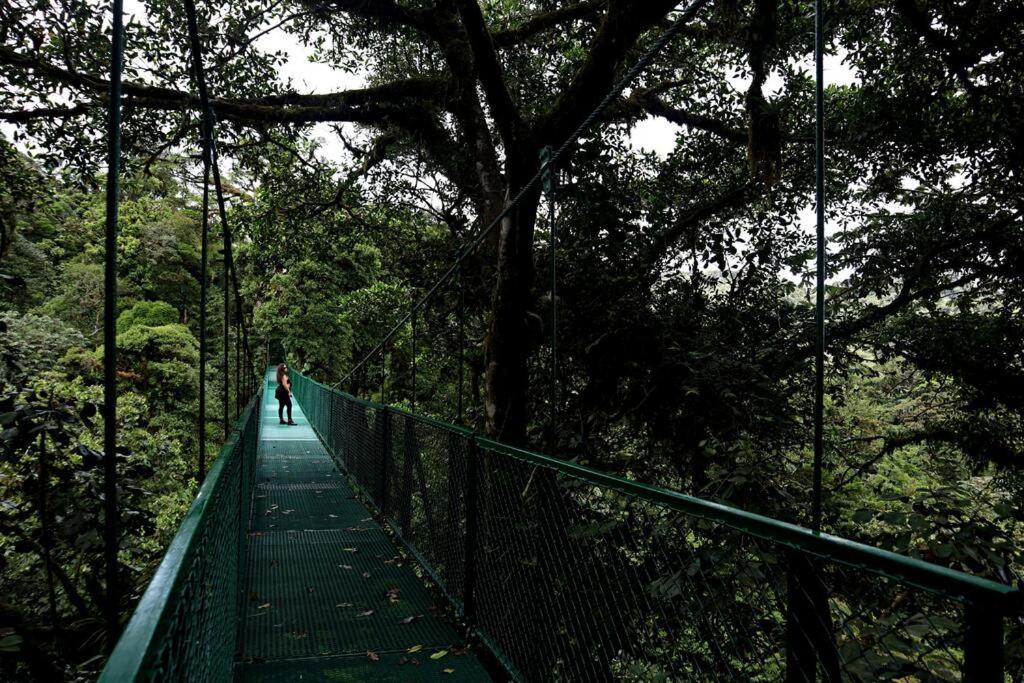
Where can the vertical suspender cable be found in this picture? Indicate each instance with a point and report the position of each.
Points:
(204, 277)
(462, 345)
(230, 273)
(227, 327)
(207, 143)
(548, 180)
(413, 402)
(819, 302)
(210, 149)
(110, 530)
(238, 365)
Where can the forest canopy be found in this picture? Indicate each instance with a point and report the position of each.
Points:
(684, 275)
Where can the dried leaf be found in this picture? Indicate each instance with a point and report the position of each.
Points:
(439, 654)
(346, 566)
(408, 620)
(351, 550)
(365, 614)
(393, 595)
(366, 575)
(372, 656)
(414, 648)
(447, 671)
(264, 605)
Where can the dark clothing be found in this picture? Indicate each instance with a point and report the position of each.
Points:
(283, 401)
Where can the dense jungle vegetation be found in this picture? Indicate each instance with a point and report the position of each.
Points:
(684, 279)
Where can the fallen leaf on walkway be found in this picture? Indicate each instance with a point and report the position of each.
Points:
(439, 654)
(345, 566)
(414, 648)
(373, 656)
(366, 575)
(264, 606)
(447, 671)
(366, 519)
(409, 619)
(365, 614)
(351, 550)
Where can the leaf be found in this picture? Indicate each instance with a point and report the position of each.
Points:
(448, 671)
(10, 643)
(414, 648)
(365, 614)
(351, 550)
(409, 619)
(439, 654)
(346, 567)
(372, 656)
(862, 516)
(344, 604)
(264, 606)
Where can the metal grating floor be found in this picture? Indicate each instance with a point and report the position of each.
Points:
(329, 597)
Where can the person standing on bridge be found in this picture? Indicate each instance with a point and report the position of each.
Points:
(284, 393)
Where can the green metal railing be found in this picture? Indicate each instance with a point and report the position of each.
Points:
(567, 573)
(184, 628)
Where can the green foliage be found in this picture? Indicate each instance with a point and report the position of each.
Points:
(31, 344)
(148, 314)
(305, 299)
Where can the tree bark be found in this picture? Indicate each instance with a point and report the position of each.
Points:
(509, 340)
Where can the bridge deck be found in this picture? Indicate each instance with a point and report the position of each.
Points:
(329, 596)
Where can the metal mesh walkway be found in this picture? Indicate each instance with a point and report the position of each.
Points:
(329, 597)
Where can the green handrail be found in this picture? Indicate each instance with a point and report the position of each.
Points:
(986, 603)
(951, 582)
(142, 648)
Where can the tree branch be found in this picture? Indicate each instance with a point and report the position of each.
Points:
(622, 26)
(490, 73)
(542, 22)
(26, 115)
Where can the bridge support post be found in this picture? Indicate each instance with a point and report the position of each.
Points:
(472, 529)
(385, 458)
(409, 455)
(983, 643)
(809, 632)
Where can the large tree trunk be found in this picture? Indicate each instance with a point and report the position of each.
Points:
(509, 338)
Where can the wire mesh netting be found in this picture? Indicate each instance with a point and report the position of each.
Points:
(185, 627)
(568, 574)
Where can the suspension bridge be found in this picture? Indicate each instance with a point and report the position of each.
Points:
(373, 542)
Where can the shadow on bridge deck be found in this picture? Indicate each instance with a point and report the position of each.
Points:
(329, 596)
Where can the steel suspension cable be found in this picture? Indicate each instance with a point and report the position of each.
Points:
(642, 63)
(204, 277)
(819, 294)
(210, 163)
(549, 189)
(110, 514)
(207, 144)
(226, 230)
